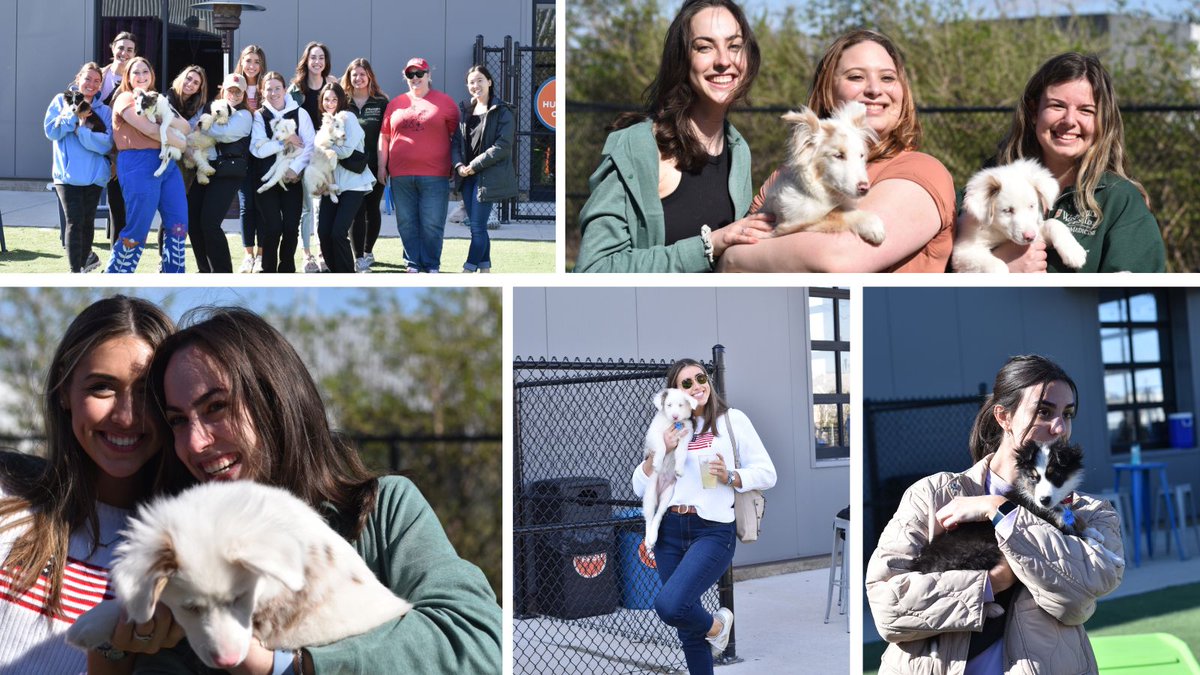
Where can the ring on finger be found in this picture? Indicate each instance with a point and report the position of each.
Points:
(142, 638)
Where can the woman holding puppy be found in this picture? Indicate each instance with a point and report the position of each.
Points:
(1068, 120)
(278, 208)
(252, 63)
(241, 405)
(697, 536)
(1047, 582)
(60, 517)
(81, 168)
(673, 185)
(230, 159)
(138, 145)
(911, 191)
(334, 220)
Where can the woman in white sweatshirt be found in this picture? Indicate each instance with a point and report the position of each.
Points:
(698, 536)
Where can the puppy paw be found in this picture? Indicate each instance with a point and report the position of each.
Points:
(1093, 534)
(1073, 256)
(992, 610)
(679, 473)
(871, 229)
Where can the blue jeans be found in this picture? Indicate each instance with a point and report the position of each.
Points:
(479, 255)
(246, 197)
(421, 204)
(692, 553)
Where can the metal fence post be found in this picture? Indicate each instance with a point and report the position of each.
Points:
(725, 585)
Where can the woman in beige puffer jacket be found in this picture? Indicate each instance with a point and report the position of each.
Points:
(1047, 582)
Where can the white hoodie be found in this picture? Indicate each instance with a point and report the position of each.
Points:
(262, 146)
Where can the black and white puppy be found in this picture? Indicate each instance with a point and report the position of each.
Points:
(1047, 475)
(74, 103)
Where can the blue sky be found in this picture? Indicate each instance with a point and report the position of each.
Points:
(1159, 8)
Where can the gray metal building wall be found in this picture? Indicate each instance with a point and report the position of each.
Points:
(43, 43)
(934, 342)
(765, 333)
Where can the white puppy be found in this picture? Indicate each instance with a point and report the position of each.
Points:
(318, 177)
(674, 408)
(234, 560)
(825, 174)
(199, 142)
(1006, 203)
(282, 129)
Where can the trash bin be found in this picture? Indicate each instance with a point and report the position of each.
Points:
(1183, 434)
(576, 573)
(639, 576)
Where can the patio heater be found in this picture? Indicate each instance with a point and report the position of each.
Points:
(227, 17)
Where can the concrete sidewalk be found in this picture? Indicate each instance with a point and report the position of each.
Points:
(29, 204)
(779, 627)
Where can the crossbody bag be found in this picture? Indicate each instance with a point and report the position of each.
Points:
(748, 506)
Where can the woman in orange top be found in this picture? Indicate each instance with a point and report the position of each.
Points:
(911, 191)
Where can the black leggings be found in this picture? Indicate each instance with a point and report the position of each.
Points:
(333, 229)
(79, 204)
(279, 226)
(209, 244)
(365, 230)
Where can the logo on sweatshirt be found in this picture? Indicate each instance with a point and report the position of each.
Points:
(1084, 224)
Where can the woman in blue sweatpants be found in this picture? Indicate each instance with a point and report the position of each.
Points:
(137, 142)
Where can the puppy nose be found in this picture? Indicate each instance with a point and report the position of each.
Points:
(1045, 501)
(1029, 236)
(863, 187)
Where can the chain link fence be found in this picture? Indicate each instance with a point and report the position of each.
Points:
(1159, 142)
(519, 72)
(585, 587)
(907, 440)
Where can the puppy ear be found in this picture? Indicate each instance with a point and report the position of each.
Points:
(146, 562)
(1047, 188)
(980, 196)
(281, 558)
(692, 401)
(804, 135)
(660, 399)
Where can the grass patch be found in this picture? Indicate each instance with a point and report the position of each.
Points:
(35, 250)
(1169, 610)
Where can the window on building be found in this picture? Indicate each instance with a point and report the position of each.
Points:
(1135, 346)
(829, 332)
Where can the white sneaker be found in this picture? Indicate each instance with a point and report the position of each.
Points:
(362, 265)
(247, 265)
(321, 263)
(721, 640)
(257, 265)
(370, 258)
(310, 265)
(412, 270)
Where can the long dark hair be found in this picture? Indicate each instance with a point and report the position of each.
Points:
(1019, 373)
(715, 407)
(60, 496)
(669, 97)
(270, 384)
(337, 90)
(301, 78)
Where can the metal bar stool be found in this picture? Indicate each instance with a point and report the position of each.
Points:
(1182, 496)
(1121, 504)
(839, 561)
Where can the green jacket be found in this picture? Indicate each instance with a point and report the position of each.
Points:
(622, 222)
(454, 626)
(1128, 238)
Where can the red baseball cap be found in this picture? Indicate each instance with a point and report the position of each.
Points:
(418, 63)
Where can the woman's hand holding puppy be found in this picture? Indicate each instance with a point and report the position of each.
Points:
(1023, 258)
(966, 509)
(160, 632)
(671, 438)
(748, 230)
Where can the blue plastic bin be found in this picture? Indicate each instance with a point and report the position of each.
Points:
(639, 578)
(1183, 434)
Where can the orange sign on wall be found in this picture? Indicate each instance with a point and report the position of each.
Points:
(544, 104)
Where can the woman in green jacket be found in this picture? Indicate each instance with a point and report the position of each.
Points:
(674, 181)
(1068, 120)
(241, 404)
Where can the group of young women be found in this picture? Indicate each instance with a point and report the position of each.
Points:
(477, 157)
(135, 407)
(673, 190)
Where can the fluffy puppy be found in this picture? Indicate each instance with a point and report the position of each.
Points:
(235, 560)
(318, 177)
(282, 129)
(74, 103)
(199, 142)
(154, 107)
(818, 187)
(673, 409)
(1006, 203)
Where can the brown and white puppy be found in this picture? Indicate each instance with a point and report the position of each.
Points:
(673, 409)
(199, 142)
(818, 187)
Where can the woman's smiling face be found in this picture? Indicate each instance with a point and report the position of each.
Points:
(717, 57)
(866, 73)
(695, 388)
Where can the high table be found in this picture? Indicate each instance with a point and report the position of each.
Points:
(1140, 477)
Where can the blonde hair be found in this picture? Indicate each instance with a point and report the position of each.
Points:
(907, 133)
(1107, 152)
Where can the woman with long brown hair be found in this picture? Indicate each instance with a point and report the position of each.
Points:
(312, 73)
(251, 65)
(368, 102)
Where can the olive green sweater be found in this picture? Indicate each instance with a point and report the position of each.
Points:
(622, 223)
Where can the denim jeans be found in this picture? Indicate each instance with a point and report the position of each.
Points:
(692, 553)
(479, 255)
(421, 205)
(146, 194)
(249, 213)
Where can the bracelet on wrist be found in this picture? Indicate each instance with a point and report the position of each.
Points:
(706, 237)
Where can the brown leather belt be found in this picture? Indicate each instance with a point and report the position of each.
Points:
(683, 510)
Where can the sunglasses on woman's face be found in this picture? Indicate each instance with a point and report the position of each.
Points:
(700, 379)
(415, 74)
